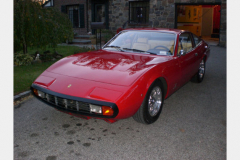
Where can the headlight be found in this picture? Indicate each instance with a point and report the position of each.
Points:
(104, 110)
(95, 109)
(39, 93)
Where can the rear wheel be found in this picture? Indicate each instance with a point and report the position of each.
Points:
(151, 107)
(201, 72)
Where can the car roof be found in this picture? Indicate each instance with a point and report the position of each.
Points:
(177, 31)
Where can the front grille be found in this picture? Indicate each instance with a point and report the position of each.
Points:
(67, 103)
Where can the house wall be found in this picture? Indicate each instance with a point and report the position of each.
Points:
(161, 14)
(223, 24)
(59, 3)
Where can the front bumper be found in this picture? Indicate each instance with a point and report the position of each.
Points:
(72, 104)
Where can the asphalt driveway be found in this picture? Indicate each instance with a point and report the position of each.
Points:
(192, 126)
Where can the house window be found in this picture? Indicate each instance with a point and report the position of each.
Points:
(75, 14)
(41, 2)
(48, 3)
(139, 12)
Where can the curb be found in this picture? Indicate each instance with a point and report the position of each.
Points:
(22, 95)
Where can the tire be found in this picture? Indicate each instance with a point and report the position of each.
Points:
(151, 107)
(198, 78)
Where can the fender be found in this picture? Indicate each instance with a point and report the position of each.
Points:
(159, 77)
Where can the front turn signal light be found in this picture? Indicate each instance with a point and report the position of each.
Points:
(107, 111)
(35, 91)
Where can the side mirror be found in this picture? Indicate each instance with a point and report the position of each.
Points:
(182, 52)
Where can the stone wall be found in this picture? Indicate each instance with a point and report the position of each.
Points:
(161, 14)
(118, 13)
(223, 25)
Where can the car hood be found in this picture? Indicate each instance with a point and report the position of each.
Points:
(118, 68)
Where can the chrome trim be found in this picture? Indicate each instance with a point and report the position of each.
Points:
(155, 101)
(65, 103)
(47, 96)
(77, 104)
(83, 106)
(201, 69)
(56, 101)
(193, 48)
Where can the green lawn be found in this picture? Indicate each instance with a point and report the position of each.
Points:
(63, 50)
(25, 75)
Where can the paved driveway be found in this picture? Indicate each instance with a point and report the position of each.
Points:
(192, 126)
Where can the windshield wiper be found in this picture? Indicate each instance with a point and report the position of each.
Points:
(137, 50)
(116, 47)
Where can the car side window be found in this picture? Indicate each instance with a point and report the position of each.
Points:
(197, 40)
(185, 42)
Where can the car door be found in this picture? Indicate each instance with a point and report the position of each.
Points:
(187, 56)
(199, 51)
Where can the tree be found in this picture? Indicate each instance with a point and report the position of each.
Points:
(39, 27)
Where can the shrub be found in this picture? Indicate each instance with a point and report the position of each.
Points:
(48, 56)
(21, 59)
(85, 49)
(107, 35)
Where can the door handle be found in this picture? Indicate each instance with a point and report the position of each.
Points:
(196, 54)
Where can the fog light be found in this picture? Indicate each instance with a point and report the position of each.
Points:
(95, 109)
(107, 111)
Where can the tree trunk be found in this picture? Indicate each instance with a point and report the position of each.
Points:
(24, 48)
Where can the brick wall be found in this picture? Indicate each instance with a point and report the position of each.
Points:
(59, 3)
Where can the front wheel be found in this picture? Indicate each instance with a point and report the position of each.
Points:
(152, 104)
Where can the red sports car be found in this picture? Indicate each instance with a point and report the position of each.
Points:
(130, 76)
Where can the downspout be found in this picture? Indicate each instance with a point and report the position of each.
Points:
(87, 15)
(176, 16)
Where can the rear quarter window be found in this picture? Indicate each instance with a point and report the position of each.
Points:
(196, 39)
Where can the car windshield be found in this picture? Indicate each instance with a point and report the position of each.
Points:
(149, 42)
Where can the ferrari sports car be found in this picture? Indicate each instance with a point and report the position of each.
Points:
(130, 76)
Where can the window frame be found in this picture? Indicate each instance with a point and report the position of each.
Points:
(81, 14)
(147, 31)
(72, 19)
(147, 10)
(200, 40)
(192, 41)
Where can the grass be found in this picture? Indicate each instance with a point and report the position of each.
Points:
(25, 75)
(63, 50)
